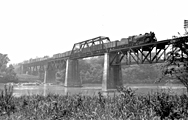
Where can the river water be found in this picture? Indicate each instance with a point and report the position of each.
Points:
(91, 89)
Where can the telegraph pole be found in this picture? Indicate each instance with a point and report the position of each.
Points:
(186, 26)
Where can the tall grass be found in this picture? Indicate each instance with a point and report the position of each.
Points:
(123, 106)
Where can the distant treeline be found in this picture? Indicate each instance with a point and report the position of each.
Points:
(91, 71)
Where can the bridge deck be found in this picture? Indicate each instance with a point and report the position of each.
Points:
(101, 49)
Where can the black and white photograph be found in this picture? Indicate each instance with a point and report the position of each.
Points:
(94, 60)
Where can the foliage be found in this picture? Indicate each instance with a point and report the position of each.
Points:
(7, 74)
(6, 103)
(17, 68)
(91, 70)
(60, 75)
(143, 74)
(27, 78)
(3, 61)
(125, 105)
(177, 63)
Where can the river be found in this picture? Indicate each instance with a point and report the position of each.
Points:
(91, 89)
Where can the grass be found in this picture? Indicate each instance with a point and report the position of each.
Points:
(125, 105)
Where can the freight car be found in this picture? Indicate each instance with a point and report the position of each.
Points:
(56, 55)
(60, 55)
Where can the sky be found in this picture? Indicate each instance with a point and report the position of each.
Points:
(35, 28)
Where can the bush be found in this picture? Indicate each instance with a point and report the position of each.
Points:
(124, 105)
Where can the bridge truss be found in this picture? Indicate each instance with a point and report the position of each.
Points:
(57, 64)
(148, 53)
(89, 48)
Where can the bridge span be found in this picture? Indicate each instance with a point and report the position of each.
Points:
(145, 50)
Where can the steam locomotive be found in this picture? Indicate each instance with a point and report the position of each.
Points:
(142, 39)
(133, 40)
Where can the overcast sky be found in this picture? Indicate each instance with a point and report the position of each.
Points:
(35, 28)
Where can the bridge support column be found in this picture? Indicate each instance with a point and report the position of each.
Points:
(45, 73)
(50, 76)
(41, 75)
(112, 74)
(29, 71)
(23, 69)
(72, 76)
(45, 76)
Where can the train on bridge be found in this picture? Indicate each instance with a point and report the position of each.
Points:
(124, 42)
(36, 59)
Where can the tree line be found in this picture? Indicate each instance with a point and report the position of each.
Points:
(91, 71)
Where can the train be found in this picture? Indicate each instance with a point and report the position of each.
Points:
(36, 59)
(138, 39)
(59, 55)
(134, 40)
(124, 42)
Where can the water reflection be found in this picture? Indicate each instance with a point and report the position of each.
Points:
(46, 89)
(54, 89)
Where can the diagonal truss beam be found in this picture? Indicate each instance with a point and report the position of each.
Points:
(58, 64)
(88, 44)
(140, 56)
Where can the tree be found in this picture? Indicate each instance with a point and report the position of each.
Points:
(177, 64)
(3, 61)
(91, 70)
(7, 74)
(140, 74)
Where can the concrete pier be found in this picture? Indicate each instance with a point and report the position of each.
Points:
(45, 76)
(24, 70)
(72, 76)
(51, 76)
(112, 74)
(45, 73)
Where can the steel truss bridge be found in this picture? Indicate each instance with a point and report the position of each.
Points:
(149, 53)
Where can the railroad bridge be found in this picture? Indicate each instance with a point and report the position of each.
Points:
(114, 53)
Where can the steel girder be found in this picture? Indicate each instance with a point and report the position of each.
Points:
(148, 53)
(38, 63)
(56, 64)
(140, 56)
(77, 49)
(50, 65)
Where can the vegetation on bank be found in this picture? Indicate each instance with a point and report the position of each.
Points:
(125, 105)
(27, 78)
(177, 64)
(7, 73)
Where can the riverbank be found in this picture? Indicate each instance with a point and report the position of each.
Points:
(27, 78)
